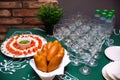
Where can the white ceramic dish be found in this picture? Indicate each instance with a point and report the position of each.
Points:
(111, 71)
(113, 53)
(105, 74)
(6, 52)
(51, 75)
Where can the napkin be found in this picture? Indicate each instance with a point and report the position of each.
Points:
(51, 75)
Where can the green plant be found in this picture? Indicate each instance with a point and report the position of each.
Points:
(50, 14)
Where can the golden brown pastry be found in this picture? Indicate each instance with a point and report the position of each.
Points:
(49, 44)
(50, 56)
(56, 60)
(53, 50)
(41, 62)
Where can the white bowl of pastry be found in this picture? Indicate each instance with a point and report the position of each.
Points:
(48, 69)
(51, 75)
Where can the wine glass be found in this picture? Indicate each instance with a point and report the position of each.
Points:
(93, 62)
(85, 70)
(57, 32)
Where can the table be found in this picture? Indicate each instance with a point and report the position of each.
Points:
(19, 69)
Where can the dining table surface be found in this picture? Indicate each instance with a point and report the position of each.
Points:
(20, 69)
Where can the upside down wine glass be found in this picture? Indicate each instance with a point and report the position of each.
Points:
(85, 70)
(72, 49)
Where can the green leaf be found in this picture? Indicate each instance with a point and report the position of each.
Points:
(50, 14)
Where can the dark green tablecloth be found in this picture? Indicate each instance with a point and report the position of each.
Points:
(19, 69)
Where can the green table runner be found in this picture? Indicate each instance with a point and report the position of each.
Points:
(19, 69)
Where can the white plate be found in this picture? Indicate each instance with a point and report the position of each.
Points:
(51, 75)
(113, 70)
(9, 54)
(113, 53)
(105, 74)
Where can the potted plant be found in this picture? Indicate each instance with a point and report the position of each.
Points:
(50, 14)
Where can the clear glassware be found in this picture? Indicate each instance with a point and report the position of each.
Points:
(75, 61)
(74, 49)
(93, 62)
(57, 32)
(72, 27)
(85, 70)
(83, 37)
(85, 56)
(67, 42)
(97, 55)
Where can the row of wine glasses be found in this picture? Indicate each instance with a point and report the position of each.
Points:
(84, 38)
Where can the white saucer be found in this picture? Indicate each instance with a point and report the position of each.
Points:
(111, 71)
(113, 53)
(105, 74)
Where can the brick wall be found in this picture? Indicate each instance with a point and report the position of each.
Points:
(18, 14)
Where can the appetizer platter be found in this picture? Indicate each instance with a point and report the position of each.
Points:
(21, 46)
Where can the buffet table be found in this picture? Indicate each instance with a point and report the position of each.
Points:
(20, 69)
